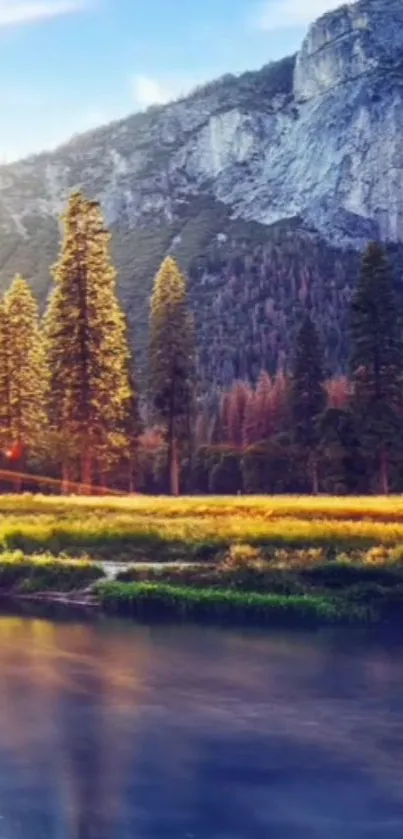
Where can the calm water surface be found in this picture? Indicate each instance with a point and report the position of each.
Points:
(118, 731)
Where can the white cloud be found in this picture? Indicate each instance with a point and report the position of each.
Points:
(285, 14)
(151, 91)
(17, 12)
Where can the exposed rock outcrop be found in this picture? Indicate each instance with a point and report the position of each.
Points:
(316, 138)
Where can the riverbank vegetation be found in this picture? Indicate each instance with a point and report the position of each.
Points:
(155, 600)
(304, 561)
(268, 586)
(44, 573)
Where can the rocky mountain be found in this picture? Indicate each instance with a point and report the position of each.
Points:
(265, 187)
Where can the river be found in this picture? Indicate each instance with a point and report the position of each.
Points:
(112, 730)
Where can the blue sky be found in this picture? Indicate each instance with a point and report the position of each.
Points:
(67, 66)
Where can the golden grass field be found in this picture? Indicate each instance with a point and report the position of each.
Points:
(87, 524)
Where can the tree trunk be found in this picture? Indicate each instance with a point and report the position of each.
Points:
(86, 471)
(17, 482)
(19, 468)
(174, 468)
(132, 473)
(65, 478)
(384, 472)
(132, 480)
(314, 473)
(103, 483)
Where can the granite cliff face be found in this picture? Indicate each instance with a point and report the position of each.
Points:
(348, 83)
(344, 45)
(313, 143)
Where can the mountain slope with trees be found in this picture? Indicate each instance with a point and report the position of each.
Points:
(265, 188)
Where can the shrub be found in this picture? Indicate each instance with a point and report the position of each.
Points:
(241, 556)
(378, 554)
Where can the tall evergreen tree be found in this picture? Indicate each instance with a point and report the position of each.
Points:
(172, 361)
(342, 465)
(377, 358)
(132, 429)
(307, 394)
(87, 347)
(5, 395)
(25, 381)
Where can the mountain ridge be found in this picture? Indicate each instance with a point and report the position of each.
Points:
(244, 172)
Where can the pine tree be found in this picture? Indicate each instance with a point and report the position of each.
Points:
(24, 373)
(342, 464)
(377, 358)
(87, 347)
(5, 395)
(307, 394)
(132, 429)
(172, 361)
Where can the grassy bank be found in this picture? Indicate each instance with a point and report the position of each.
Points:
(267, 560)
(23, 575)
(158, 600)
(247, 587)
(241, 588)
(137, 528)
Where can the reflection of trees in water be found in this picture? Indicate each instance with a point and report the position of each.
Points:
(94, 720)
(94, 747)
(69, 699)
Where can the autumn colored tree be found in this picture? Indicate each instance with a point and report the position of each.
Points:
(377, 359)
(249, 415)
(307, 394)
(172, 362)
(263, 406)
(272, 404)
(232, 413)
(24, 378)
(339, 391)
(87, 347)
(251, 426)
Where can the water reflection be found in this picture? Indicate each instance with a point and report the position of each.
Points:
(111, 731)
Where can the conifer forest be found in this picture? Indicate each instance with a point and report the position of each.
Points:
(75, 409)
